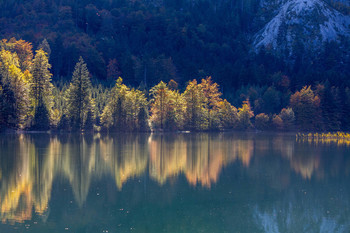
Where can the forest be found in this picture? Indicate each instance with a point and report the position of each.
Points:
(146, 41)
(30, 100)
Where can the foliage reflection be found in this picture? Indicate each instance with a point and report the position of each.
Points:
(31, 163)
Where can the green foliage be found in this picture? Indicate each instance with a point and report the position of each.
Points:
(195, 118)
(272, 100)
(126, 109)
(78, 97)
(41, 88)
(29, 100)
(41, 119)
(330, 104)
(165, 107)
(44, 45)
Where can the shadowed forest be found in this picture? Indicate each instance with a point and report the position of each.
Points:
(29, 100)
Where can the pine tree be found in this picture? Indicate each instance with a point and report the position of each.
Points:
(126, 109)
(41, 117)
(41, 89)
(44, 45)
(78, 96)
(142, 119)
(63, 124)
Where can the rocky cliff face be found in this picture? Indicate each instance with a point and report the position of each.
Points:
(306, 23)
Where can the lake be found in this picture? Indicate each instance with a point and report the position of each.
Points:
(203, 182)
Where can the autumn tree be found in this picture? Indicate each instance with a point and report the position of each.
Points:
(306, 106)
(14, 96)
(114, 114)
(211, 102)
(244, 115)
(126, 109)
(163, 115)
(277, 122)
(78, 97)
(195, 113)
(288, 117)
(262, 121)
(23, 49)
(228, 115)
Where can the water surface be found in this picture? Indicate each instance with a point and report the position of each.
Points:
(217, 182)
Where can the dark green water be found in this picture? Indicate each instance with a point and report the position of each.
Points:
(222, 182)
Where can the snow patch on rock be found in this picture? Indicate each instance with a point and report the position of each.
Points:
(312, 21)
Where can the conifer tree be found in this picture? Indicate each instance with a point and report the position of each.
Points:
(126, 109)
(41, 89)
(114, 114)
(44, 45)
(78, 96)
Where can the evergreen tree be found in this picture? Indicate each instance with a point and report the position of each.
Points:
(89, 122)
(125, 110)
(41, 117)
(78, 96)
(142, 119)
(41, 88)
(114, 113)
(44, 45)
(345, 112)
(63, 124)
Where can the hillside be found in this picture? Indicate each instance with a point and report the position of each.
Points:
(148, 41)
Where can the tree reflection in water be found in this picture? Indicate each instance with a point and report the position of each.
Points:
(31, 163)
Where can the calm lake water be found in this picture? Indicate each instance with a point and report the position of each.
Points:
(217, 182)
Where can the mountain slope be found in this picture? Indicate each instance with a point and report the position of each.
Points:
(309, 23)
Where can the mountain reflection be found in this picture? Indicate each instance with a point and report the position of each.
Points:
(30, 163)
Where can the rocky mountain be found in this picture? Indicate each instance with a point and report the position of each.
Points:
(306, 23)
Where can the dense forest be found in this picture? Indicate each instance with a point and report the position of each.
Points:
(184, 66)
(146, 41)
(29, 100)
